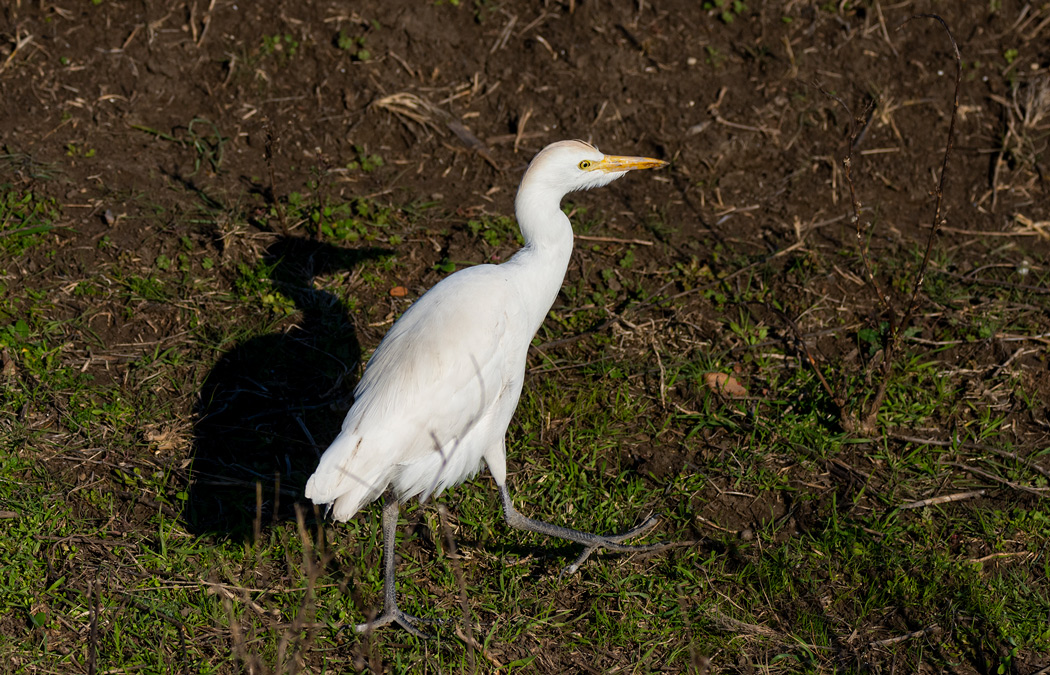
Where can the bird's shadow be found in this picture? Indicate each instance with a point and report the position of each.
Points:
(273, 402)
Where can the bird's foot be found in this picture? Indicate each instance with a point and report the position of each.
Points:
(612, 543)
(395, 615)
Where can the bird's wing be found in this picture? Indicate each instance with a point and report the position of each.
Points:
(443, 362)
(432, 379)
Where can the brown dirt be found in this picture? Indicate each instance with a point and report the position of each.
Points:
(756, 146)
(737, 107)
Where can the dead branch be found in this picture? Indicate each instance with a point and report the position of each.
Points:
(864, 420)
(268, 154)
(897, 328)
(855, 205)
(799, 338)
(938, 220)
(465, 632)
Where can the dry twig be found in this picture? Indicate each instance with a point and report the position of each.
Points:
(930, 630)
(408, 107)
(972, 446)
(864, 420)
(1042, 492)
(20, 43)
(465, 632)
(943, 499)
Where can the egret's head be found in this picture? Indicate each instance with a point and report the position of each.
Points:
(567, 166)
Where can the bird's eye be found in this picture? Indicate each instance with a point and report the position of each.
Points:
(585, 164)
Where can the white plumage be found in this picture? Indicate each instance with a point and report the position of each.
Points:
(437, 394)
(440, 390)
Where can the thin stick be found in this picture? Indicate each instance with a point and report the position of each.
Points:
(466, 633)
(1035, 290)
(19, 44)
(96, 605)
(943, 499)
(660, 364)
(1042, 492)
(972, 446)
(730, 625)
(521, 128)
(937, 218)
(867, 421)
(907, 636)
(809, 359)
(206, 23)
(855, 205)
(268, 154)
(1002, 554)
(897, 326)
(613, 240)
(849, 421)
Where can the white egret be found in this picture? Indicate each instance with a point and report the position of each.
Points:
(439, 392)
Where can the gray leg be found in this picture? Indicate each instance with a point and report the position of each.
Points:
(590, 541)
(391, 614)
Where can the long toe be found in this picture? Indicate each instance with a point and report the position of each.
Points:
(649, 524)
(612, 543)
(570, 569)
(406, 621)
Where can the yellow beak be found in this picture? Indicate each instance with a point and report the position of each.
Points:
(615, 164)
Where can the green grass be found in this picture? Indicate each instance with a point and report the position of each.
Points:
(24, 217)
(802, 559)
(199, 135)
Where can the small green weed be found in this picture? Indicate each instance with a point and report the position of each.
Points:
(693, 273)
(23, 218)
(364, 162)
(445, 266)
(254, 283)
(74, 150)
(180, 263)
(728, 10)
(201, 135)
(715, 58)
(356, 220)
(355, 46)
(283, 46)
(749, 333)
(496, 230)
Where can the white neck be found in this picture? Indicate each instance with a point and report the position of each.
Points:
(540, 266)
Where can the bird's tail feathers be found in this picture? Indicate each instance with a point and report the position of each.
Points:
(345, 480)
